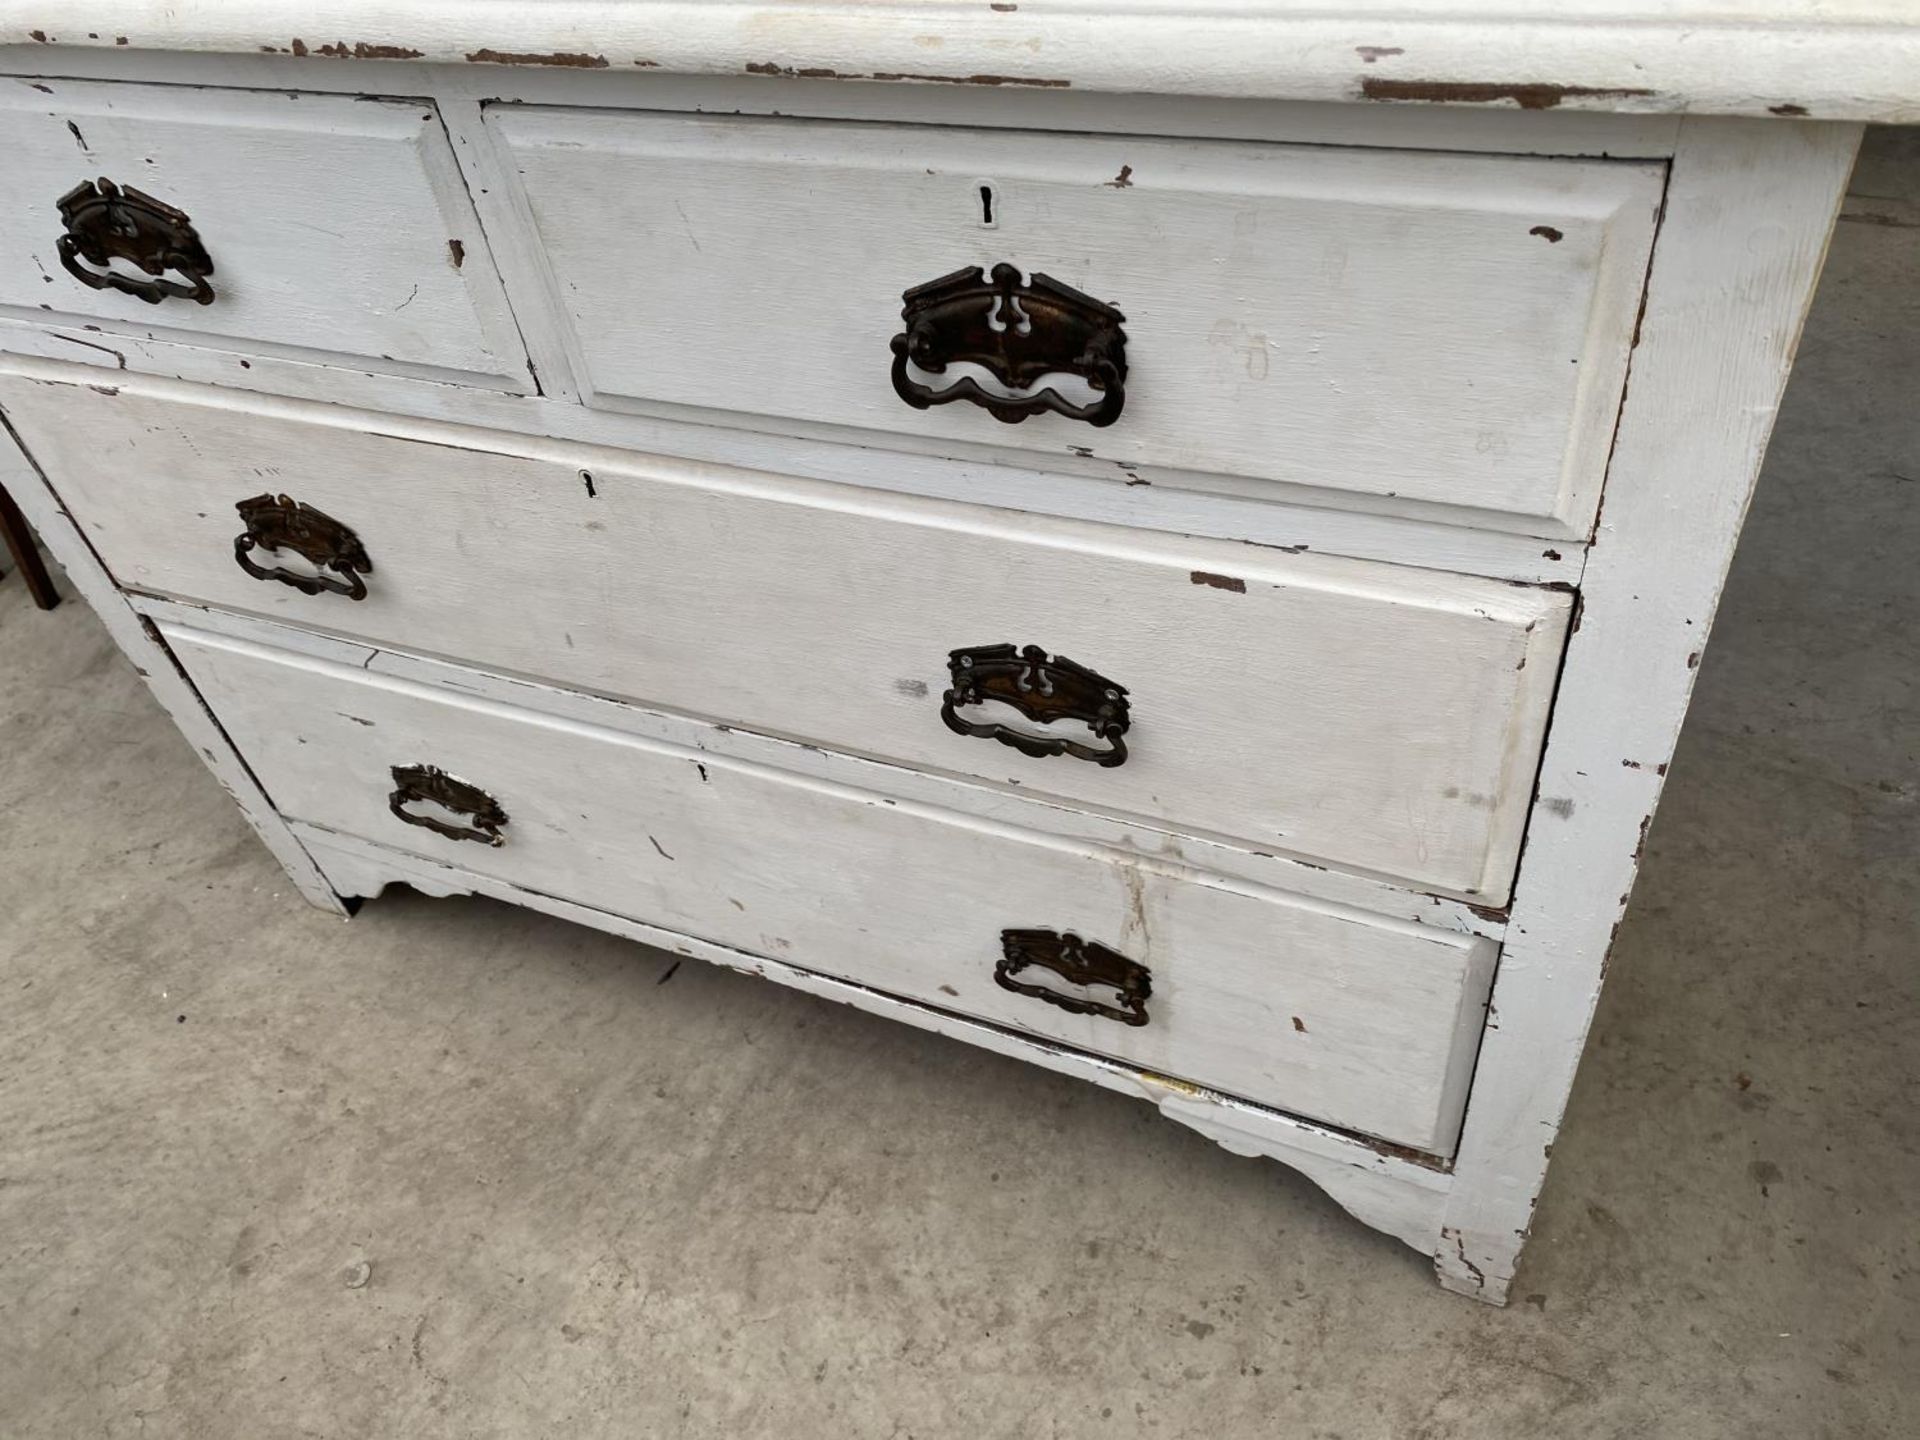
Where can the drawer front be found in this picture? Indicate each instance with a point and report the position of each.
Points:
(1385, 719)
(1425, 330)
(1365, 1024)
(324, 227)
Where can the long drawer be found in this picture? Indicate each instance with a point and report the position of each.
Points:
(1366, 1024)
(1431, 329)
(324, 227)
(1384, 719)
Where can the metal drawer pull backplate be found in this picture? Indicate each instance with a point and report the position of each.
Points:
(279, 522)
(1078, 962)
(107, 222)
(1020, 333)
(429, 783)
(1044, 689)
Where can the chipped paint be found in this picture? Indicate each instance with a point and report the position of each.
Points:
(1474, 92)
(1448, 1232)
(1220, 582)
(573, 60)
(1045, 84)
(789, 72)
(1152, 1080)
(767, 67)
(340, 50)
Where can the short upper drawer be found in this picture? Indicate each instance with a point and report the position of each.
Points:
(325, 227)
(1386, 719)
(1426, 330)
(1366, 1024)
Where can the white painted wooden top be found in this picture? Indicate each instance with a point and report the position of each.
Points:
(1827, 59)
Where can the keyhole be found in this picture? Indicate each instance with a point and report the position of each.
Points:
(984, 187)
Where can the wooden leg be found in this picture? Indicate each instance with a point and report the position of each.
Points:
(26, 554)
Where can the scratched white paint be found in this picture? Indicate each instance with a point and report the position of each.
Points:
(327, 220)
(1063, 487)
(1367, 1024)
(1005, 805)
(1448, 330)
(1384, 719)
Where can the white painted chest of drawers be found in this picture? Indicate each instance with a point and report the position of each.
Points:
(1176, 562)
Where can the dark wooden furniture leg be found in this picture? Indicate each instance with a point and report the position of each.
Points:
(26, 555)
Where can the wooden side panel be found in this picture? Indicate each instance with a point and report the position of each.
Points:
(1746, 231)
(1383, 719)
(338, 227)
(1365, 1024)
(1440, 328)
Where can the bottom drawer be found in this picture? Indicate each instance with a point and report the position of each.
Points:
(1360, 1022)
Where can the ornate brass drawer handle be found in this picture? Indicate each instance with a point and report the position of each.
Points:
(429, 783)
(1078, 962)
(279, 522)
(1020, 333)
(107, 222)
(1044, 689)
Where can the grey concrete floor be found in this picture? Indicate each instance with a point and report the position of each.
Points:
(587, 1194)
